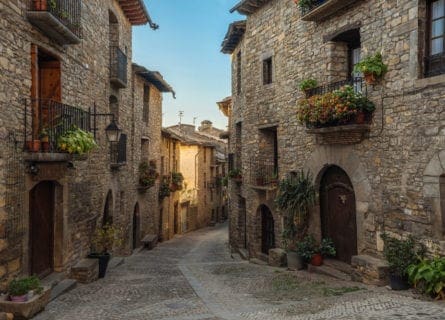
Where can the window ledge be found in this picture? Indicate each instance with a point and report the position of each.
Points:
(430, 81)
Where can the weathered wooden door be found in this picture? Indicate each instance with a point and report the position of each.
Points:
(136, 227)
(41, 239)
(338, 214)
(268, 230)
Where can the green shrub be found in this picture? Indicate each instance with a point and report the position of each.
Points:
(372, 64)
(428, 276)
(308, 84)
(20, 287)
(76, 141)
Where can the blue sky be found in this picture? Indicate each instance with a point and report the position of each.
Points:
(186, 50)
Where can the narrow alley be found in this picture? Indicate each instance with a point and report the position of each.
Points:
(194, 277)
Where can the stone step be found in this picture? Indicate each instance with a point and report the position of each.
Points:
(53, 279)
(243, 253)
(258, 261)
(339, 265)
(329, 271)
(62, 287)
(115, 262)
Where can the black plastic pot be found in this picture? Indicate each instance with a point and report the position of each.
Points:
(398, 283)
(104, 258)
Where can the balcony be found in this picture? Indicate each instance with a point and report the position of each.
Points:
(435, 65)
(45, 122)
(357, 83)
(320, 9)
(119, 152)
(118, 67)
(263, 174)
(57, 19)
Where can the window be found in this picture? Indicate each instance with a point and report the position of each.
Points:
(267, 70)
(146, 105)
(238, 72)
(435, 57)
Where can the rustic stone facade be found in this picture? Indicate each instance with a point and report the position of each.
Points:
(84, 192)
(395, 169)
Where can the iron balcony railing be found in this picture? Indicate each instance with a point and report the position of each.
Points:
(314, 4)
(118, 66)
(435, 65)
(119, 151)
(68, 12)
(47, 120)
(263, 173)
(357, 83)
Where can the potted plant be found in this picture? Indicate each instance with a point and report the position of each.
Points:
(400, 254)
(372, 68)
(40, 5)
(314, 253)
(76, 141)
(177, 180)
(44, 139)
(164, 188)
(307, 85)
(147, 174)
(18, 290)
(236, 175)
(104, 239)
(296, 196)
(428, 276)
(306, 248)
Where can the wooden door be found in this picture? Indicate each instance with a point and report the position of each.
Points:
(338, 214)
(267, 230)
(136, 227)
(49, 80)
(41, 207)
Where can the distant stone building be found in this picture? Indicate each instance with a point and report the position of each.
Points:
(202, 162)
(65, 65)
(382, 176)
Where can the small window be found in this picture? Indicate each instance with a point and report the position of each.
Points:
(435, 55)
(267, 70)
(238, 73)
(146, 105)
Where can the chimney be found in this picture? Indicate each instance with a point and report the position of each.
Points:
(206, 125)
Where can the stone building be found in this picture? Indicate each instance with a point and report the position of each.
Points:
(201, 160)
(385, 176)
(67, 64)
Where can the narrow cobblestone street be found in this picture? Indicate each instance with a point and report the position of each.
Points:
(194, 277)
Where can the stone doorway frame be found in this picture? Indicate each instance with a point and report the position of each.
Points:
(343, 157)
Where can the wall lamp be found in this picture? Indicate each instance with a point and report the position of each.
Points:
(112, 131)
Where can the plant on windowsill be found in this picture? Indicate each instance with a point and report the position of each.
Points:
(104, 240)
(372, 67)
(236, 175)
(400, 254)
(177, 180)
(164, 188)
(307, 85)
(77, 142)
(428, 277)
(147, 175)
(340, 107)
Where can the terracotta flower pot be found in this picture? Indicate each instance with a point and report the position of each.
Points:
(40, 5)
(45, 146)
(370, 78)
(317, 260)
(35, 146)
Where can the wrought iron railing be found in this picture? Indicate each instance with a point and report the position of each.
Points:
(435, 65)
(314, 4)
(68, 12)
(119, 151)
(118, 65)
(48, 119)
(263, 173)
(357, 83)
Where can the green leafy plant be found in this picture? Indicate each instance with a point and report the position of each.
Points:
(296, 196)
(305, 5)
(327, 248)
(20, 287)
(106, 237)
(428, 276)
(76, 141)
(308, 84)
(52, 4)
(401, 253)
(372, 65)
(225, 181)
(235, 174)
(148, 174)
(307, 247)
(177, 180)
(164, 188)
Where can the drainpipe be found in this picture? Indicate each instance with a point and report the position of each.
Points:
(196, 169)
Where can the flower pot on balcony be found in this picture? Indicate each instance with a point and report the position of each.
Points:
(360, 118)
(40, 5)
(370, 78)
(35, 146)
(45, 146)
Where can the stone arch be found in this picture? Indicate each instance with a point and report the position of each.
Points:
(342, 156)
(434, 191)
(107, 217)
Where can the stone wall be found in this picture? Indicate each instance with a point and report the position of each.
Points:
(394, 171)
(81, 190)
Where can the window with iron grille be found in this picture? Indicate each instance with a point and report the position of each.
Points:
(267, 71)
(231, 161)
(119, 150)
(435, 48)
(146, 106)
(238, 72)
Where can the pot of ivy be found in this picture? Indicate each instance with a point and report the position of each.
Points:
(372, 68)
(306, 85)
(104, 239)
(236, 175)
(400, 254)
(295, 197)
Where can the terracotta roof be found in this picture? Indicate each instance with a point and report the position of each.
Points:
(137, 13)
(233, 36)
(155, 78)
(247, 7)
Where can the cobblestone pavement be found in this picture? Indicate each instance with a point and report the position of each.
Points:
(194, 277)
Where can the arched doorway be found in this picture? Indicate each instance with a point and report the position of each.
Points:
(267, 230)
(41, 228)
(136, 227)
(338, 213)
(108, 210)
